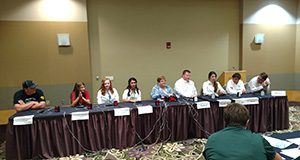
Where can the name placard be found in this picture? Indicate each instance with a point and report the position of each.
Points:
(278, 93)
(247, 101)
(80, 115)
(23, 120)
(122, 111)
(224, 102)
(203, 105)
(145, 109)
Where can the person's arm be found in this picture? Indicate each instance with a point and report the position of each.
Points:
(99, 97)
(39, 105)
(124, 96)
(194, 91)
(139, 98)
(270, 152)
(205, 89)
(266, 85)
(277, 157)
(21, 106)
(41, 101)
(155, 93)
(229, 88)
(74, 100)
(177, 87)
(116, 95)
(169, 91)
(253, 85)
(86, 99)
(221, 90)
(242, 86)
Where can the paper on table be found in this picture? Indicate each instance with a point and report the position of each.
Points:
(278, 93)
(145, 109)
(224, 102)
(122, 111)
(278, 143)
(247, 101)
(23, 120)
(203, 104)
(80, 115)
(294, 140)
(293, 153)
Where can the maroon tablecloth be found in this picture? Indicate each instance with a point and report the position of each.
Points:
(57, 136)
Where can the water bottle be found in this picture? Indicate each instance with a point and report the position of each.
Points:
(238, 94)
(262, 93)
(213, 96)
(196, 99)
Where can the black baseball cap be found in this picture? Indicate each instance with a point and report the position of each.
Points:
(29, 84)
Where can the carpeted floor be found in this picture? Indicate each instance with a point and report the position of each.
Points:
(188, 150)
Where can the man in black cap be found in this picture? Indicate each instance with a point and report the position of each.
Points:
(29, 97)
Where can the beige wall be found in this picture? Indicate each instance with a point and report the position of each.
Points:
(297, 55)
(29, 50)
(132, 36)
(270, 11)
(127, 38)
(276, 55)
(43, 10)
(297, 51)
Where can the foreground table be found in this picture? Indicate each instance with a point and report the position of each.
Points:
(54, 134)
(285, 136)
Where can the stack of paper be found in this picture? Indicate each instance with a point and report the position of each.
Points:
(278, 143)
(293, 153)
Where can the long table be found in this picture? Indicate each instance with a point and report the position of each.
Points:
(54, 134)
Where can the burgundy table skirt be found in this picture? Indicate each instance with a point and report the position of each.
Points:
(59, 136)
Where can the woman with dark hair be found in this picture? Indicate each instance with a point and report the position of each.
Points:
(79, 95)
(212, 86)
(161, 89)
(107, 94)
(132, 92)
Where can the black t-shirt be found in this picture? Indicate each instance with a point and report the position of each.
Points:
(21, 95)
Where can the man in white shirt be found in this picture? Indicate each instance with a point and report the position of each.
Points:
(184, 86)
(259, 82)
(235, 85)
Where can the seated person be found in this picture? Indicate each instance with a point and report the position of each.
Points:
(161, 89)
(132, 92)
(184, 86)
(235, 85)
(212, 86)
(29, 97)
(107, 94)
(235, 142)
(79, 95)
(259, 83)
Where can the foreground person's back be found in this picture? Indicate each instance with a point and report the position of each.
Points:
(237, 143)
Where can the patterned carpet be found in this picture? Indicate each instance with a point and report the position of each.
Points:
(188, 150)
